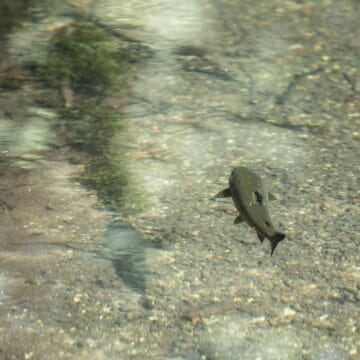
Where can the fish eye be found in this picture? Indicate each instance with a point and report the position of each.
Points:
(259, 197)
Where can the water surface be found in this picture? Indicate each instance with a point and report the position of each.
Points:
(119, 121)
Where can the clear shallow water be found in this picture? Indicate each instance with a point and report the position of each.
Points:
(190, 91)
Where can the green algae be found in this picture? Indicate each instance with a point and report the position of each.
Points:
(99, 133)
(84, 55)
(87, 58)
(13, 12)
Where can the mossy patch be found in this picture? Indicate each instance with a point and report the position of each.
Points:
(86, 58)
(85, 55)
(99, 132)
(13, 12)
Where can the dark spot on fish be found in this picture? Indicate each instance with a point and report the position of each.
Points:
(259, 197)
(266, 223)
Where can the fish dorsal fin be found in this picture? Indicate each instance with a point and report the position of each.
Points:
(223, 194)
(239, 219)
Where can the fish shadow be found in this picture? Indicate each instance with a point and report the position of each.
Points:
(128, 253)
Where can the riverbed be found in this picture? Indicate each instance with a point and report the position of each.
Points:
(119, 122)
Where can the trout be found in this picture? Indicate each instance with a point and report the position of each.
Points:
(251, 200)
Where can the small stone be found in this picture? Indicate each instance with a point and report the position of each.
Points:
(91, 343)
(289, 312)
(317, 47)
(195, 319)
(77, 298)
(297, 47)
(323, 317)
(106, 309)
(259, 319)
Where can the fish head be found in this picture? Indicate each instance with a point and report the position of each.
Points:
(257, 208)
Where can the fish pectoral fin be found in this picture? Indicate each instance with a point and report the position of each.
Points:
(261, 238)
(271, 196)
(223, 194)
(239, 219)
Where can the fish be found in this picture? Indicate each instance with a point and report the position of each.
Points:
(251, 199)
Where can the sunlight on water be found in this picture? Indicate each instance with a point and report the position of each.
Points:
(160, 21)
(176, 20)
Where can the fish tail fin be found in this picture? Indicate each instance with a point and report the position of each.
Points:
(275, 239)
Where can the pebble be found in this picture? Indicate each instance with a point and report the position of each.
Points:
(289, 312)
(29, 355)
(77, 298)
